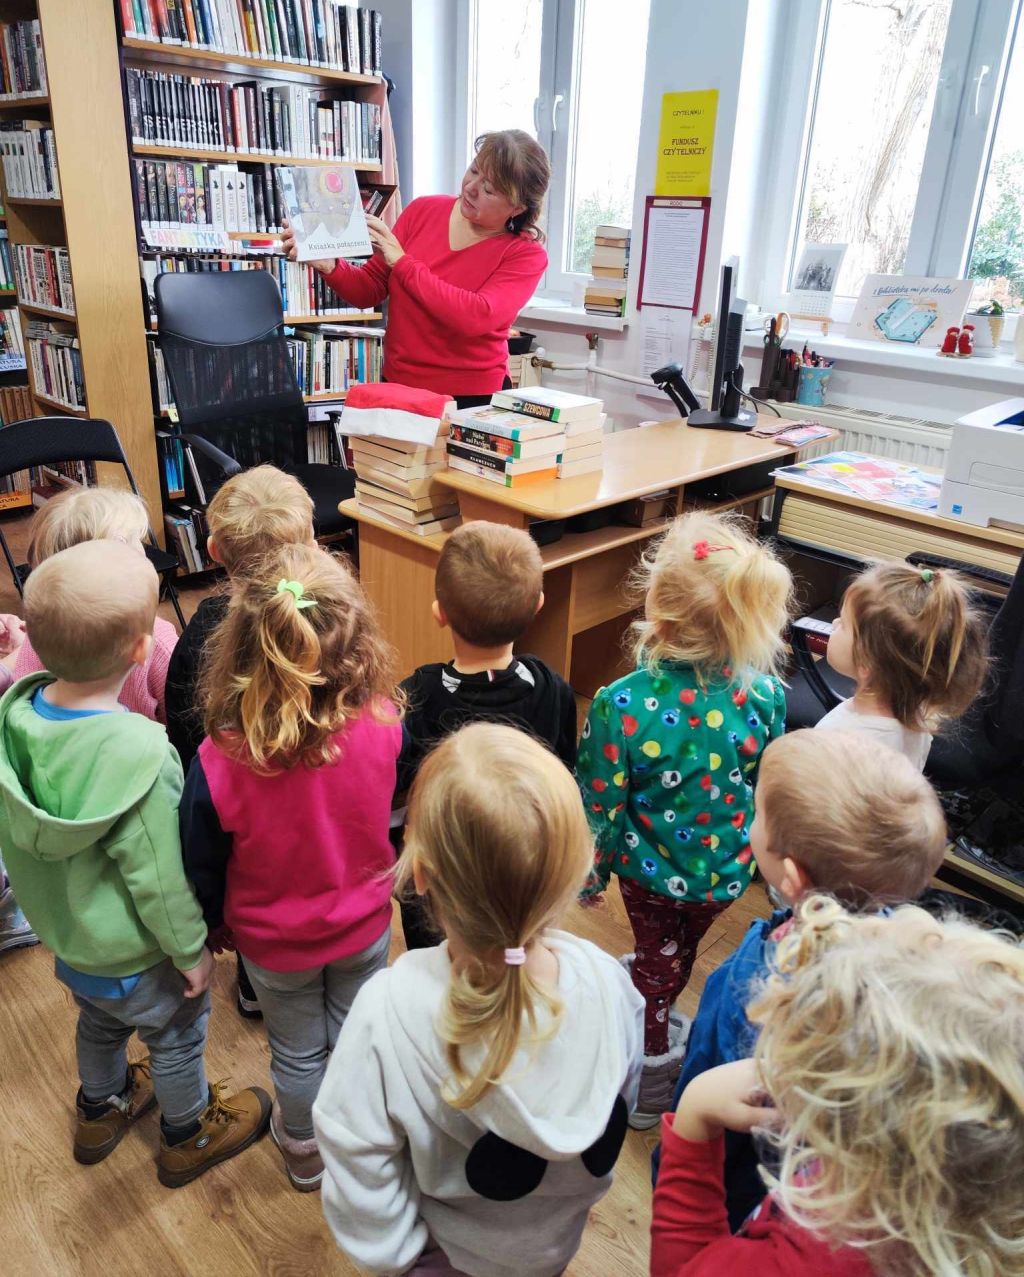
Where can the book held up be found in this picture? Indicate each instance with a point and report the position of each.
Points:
(325, 211)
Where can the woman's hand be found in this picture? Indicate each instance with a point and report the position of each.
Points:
(324, 265)
(729, 1097)
(384, 241)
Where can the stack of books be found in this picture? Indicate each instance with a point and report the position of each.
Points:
(29, 159)
(395, 481)
(504, 446)
(580, 419)
(606, 291)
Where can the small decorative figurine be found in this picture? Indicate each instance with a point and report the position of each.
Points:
(965, 346)
(949, 345)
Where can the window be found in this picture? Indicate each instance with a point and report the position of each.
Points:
(914, 143)
(571, 72)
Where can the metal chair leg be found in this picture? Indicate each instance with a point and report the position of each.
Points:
(172, 594)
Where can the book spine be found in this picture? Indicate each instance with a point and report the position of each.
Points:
(490, 462)
(497, 444)
(530, 409)
(378, 41)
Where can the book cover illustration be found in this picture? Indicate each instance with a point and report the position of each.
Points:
(912, 310)
(324, 209)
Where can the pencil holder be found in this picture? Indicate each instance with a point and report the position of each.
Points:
(812, 387)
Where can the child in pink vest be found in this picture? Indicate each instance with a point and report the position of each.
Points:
(285, 815)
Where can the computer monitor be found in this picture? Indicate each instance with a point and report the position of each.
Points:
(725, 409)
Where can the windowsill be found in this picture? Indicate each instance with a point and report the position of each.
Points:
(999, 369)
(549, 311)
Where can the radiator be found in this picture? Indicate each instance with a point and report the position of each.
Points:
(912, 439)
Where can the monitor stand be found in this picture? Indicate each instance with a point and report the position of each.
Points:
(706, 419)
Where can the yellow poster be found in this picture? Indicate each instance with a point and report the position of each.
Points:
(686, 142)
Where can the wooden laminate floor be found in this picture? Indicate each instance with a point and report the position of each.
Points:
(59, 1219)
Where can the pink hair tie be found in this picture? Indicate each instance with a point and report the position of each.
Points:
(515, 957)
(701, 549)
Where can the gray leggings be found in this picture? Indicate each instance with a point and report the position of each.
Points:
(304, 1012)
(172, 1026)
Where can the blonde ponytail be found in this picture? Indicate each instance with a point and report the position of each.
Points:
(497, 830)
(296, 656)
(714, 596)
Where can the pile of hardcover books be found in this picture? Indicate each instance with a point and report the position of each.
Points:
(528, 435)
(606, 291)
(397, 437)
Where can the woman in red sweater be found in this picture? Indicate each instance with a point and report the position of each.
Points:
(893, 1050)
(456, 272)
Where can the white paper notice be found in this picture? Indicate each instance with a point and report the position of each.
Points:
(665, 336)
(672, 256)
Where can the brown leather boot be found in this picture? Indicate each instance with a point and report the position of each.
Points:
(226, 1126)
(302, 1158)
(97, 1137)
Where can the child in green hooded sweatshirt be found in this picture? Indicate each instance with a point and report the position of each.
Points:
(88, 821)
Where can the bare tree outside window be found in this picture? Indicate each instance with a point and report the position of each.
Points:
(879, 75)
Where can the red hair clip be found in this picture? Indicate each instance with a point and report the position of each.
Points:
(701, 549)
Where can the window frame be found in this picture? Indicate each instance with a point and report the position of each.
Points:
(555, 120)
(971, 83)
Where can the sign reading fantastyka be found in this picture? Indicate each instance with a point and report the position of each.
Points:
(686, 142)
(324, 209)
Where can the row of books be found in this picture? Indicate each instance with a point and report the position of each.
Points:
(15, 405)
(176, 194)
(22, 66)
(187, 531)
(56, 361)
(29, 155)
(6, 262)
(329, 360)
(606, 291)
(216, 115)
(12, 343)
(303, 290)
(528, 435)
(314, 32)
(44, 276)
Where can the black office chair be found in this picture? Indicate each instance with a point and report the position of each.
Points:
(234, 387)
(46, 441)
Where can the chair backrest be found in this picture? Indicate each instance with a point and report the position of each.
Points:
(45, 441)
(228, 364)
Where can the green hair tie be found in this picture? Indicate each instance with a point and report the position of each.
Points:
(927, 575)
(295, 588)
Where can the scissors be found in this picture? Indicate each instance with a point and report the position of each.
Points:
(776, 328)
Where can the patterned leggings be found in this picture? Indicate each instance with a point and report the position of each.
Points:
(667, 933)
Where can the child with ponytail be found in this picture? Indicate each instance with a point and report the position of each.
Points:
(476, 1102)
(917, 650)
(285, 814)
(667, 760)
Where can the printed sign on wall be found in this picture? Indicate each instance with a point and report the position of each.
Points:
(686, 142)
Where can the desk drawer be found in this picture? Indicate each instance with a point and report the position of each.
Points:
(825, 525)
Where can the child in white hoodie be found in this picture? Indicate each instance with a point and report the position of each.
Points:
(477, 1098)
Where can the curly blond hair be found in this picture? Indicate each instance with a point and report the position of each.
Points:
(893, 1050)
(256, 511)
(713, 595)
(497, 827)
(285, 670)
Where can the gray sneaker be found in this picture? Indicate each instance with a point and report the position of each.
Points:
(659, 1076)
(15, 933)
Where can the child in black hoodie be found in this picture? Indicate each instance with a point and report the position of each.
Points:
(489, 586)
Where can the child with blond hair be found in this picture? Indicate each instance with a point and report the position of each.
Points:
(284, 820)
(917, 650)
(668, 756)
(91, 514)
(459, 1132)
(891, 1053)
(88, 822)
(834, 813)
(249, 517)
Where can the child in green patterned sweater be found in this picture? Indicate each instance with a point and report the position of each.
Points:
(668, 755)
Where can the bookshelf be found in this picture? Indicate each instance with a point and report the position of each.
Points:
(194, 111)
(92, 219)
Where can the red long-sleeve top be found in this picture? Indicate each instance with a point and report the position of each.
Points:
(449, 310)
(690, 1229)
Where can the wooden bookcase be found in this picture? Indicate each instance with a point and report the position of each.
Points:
(94, 220)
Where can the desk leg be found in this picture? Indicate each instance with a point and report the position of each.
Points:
(398, 578)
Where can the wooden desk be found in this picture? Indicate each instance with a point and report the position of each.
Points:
(818, 519)
(586, 610)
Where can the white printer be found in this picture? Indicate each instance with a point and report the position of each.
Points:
(984, 479)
